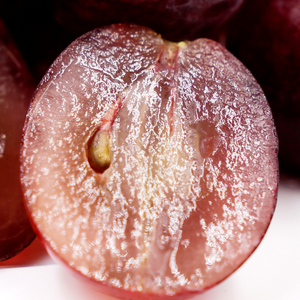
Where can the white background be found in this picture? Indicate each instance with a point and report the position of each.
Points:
(272, 272)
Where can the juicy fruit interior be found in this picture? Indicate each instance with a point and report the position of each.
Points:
(190, 187)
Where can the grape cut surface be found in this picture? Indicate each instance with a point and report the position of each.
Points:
(192, 181)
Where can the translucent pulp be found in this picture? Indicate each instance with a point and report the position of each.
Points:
(192, 180)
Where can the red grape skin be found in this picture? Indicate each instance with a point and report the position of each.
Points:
(175, 20)
(16, 90)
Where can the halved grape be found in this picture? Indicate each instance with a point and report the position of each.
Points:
(190, 153)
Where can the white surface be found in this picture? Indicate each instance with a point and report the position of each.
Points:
(272, 272)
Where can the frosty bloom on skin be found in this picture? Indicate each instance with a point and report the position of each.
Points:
(2, 144)
(158, 175)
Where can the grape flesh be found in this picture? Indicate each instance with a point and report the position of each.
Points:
(192, 180)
